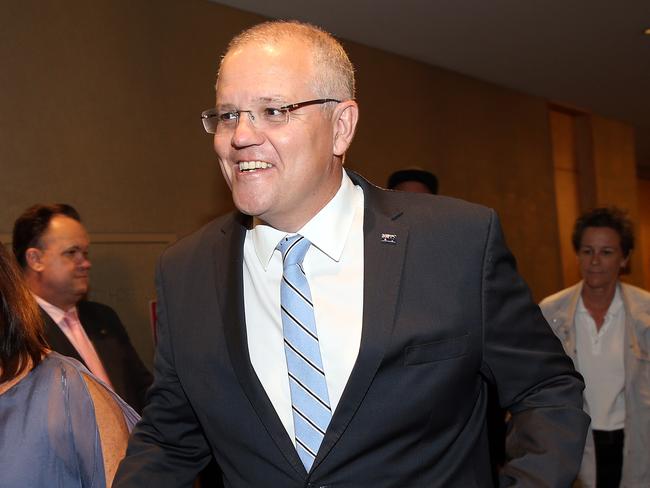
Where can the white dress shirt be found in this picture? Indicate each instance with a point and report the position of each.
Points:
(334, 269)
(599, 355)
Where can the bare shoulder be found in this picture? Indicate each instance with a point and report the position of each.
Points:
(112, 427)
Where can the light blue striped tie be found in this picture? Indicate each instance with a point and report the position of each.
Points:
(309, 398)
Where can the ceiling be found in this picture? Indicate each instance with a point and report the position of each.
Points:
(588, 54)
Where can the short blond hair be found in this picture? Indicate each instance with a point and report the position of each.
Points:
(334, 77)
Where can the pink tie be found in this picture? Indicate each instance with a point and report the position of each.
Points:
(77, 336)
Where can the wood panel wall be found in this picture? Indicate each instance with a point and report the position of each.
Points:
(100, 105)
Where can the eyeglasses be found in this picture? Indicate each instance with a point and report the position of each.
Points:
(263, 118)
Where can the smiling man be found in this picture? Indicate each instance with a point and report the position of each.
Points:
(284, 177)
(330, 333)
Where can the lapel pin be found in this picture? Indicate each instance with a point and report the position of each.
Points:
(389, 238)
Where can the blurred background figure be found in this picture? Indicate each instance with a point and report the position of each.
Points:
(604, 325)
(51, 245)
(60, 425)
(414, 180)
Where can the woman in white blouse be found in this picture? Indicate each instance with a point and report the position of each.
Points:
(604, 326)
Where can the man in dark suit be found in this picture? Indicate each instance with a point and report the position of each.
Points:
(331, 333)
(51, 246)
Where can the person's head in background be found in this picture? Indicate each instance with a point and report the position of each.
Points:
(21, 326)
(413, 180)
(603, 239)
(51, 246)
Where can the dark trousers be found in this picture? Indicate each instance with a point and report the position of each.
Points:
(609, 457)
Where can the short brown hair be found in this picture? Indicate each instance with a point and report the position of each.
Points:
(335, 76)
(32, 224)
(611, 217)
(21, 324)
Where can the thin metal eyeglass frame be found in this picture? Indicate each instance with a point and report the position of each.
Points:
(210, 113)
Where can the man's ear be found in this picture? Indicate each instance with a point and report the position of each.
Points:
(34, 259)
(346, 115)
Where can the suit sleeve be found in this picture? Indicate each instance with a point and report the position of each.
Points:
(167, 447)
(535, 379)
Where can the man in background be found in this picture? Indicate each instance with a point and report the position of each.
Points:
(51, 246)
(415, 180)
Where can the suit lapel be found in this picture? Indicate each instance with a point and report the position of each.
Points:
(228, 256)
(385, 242)
(384, 246)
(91, 322)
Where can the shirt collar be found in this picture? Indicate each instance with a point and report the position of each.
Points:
(614, 307)
(53, 311)
(328, 230)
(617, 302)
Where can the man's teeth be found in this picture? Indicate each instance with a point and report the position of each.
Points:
(251, 165)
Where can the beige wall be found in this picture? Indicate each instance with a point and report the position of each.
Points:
(567, 188)
(99, 108)
(613, 181)
(595, 165)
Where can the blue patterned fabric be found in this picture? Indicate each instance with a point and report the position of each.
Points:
(48, 435)
(309, 398)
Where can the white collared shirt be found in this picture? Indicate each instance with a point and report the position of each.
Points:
(599, 358)
(334, 269)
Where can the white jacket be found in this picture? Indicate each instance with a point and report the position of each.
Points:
(559, 310)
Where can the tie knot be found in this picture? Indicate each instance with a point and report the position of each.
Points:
(293, 249)
(71, 315)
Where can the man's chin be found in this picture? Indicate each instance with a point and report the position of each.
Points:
(82, 293)
(248, 207)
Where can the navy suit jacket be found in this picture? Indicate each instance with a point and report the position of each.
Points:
(444, 314)
(129, 376)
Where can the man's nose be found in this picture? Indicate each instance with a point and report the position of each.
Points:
(245, 132)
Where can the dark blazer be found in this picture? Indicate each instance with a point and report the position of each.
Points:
(444, 314)
(129, 376)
